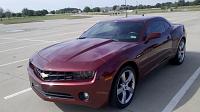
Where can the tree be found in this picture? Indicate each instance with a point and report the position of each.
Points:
(53, 12)
(25, 12)
(197, 2)
(18, 14)
(1, 13)
(115, 7)
(96, 9)
(131, 8)
(8, 14)
(87, 9)
(141, 6)
(66, 10)
(158, 5)
(40, 13)
(45, 12)
(181, 2)
(31, 13)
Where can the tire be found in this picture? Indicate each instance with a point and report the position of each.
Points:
(123, 88)
(180, 55)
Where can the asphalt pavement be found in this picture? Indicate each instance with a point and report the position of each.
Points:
(167, 88)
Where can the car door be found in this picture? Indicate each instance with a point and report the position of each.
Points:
(164, 42)
(162, 45)
(156, 50)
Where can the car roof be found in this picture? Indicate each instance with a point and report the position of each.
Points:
(143, 19)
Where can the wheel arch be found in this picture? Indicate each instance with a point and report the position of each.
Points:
(184, 38)
(131, 64)
(178, 42)
(128, 63)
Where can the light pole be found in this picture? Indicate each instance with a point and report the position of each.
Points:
(126, 9)
(137, 4)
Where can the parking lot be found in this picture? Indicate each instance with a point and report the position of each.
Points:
(168, 87)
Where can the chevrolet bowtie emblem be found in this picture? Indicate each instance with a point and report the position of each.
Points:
(44, 75)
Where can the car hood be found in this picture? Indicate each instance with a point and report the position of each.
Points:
(81, 54)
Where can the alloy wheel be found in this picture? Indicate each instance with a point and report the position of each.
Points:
(126, 87)
(181, 51)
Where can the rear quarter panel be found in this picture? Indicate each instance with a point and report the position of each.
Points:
(178, 32)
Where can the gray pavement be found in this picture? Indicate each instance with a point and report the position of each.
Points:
(153, 94)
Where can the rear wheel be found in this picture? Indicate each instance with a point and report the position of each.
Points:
(180, 55)
(123, 88)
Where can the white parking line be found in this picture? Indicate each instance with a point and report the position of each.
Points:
(175, 100)
(10, 42)
(20, 47)
(169, 108)
(68, 39)
(39, 40)
(55, 35)
(2, 65)
(25, 40)
(44, 36)
(18, 93)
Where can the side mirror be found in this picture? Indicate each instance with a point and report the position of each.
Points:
(153, 35)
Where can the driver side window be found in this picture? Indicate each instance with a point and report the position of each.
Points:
(155, 27)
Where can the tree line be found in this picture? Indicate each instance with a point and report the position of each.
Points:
(27, 12)
(158, 5)
(65, 10)
(88, 9)
(165, 5)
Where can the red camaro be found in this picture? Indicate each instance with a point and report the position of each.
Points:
(105, 63)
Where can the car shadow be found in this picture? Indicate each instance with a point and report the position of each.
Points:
(156, 90)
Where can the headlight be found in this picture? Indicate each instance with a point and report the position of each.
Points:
(83, 75)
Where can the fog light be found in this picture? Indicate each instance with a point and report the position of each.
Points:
(84, 96)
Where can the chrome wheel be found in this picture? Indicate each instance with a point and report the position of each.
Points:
(126, 87)
(181, 51)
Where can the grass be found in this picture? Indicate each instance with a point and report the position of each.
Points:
(179, 9)
(17, 20)
(68, 16)
(153, 10)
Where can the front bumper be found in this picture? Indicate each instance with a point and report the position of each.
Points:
(68, 93)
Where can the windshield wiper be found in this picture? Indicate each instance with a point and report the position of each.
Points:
(82, 37)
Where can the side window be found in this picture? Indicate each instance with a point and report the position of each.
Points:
(156, 26)
(166, 25)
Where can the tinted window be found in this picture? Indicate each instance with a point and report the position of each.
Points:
(156, 26)
(115, 30)
(166, 25)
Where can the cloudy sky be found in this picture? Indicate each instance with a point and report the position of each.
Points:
(18, 5)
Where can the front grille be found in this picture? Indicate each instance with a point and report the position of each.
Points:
(58, 95)
(53, 94)
(58, 76)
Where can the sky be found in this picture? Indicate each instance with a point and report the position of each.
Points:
(18, 5)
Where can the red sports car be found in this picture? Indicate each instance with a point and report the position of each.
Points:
(106, 62)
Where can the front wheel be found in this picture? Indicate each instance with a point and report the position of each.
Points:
(123, 88)
(180, 55)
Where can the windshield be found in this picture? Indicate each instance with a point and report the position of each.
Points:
(122, 31)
